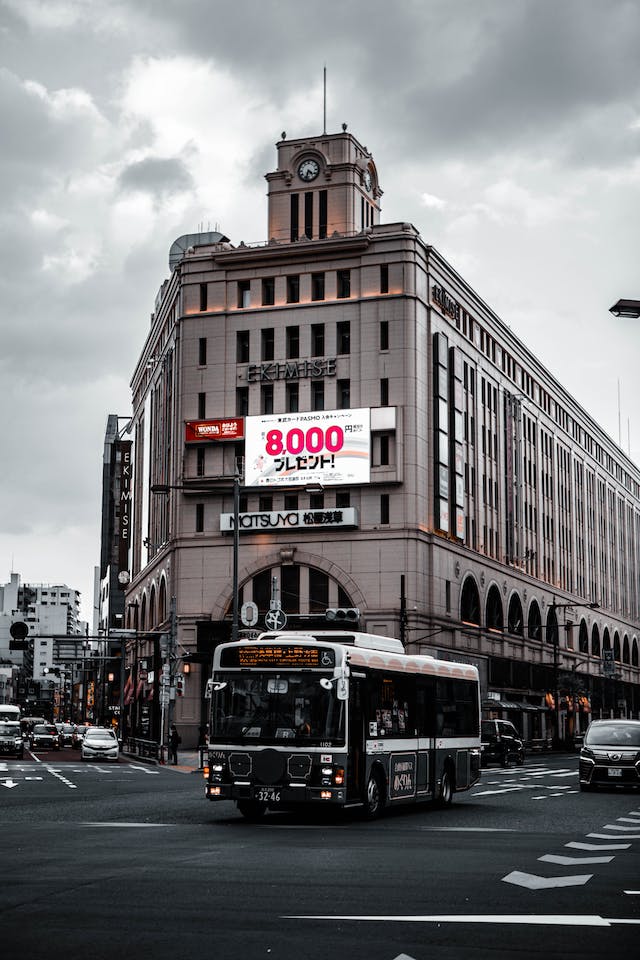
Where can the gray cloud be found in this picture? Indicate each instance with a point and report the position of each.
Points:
(158, 176)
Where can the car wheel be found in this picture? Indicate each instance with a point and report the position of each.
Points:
(252, 810)
(520, 759)
(585, 787)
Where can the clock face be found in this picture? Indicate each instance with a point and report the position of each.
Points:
(308, 170)
(367, 180)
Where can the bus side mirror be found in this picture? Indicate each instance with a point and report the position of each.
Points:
(325, 683)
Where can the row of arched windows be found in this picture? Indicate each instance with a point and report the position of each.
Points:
(624, 651)
(150, 611)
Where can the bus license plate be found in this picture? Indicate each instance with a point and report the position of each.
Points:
(268, 795)
(614, 771)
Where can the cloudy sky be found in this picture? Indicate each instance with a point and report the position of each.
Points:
(507, 131)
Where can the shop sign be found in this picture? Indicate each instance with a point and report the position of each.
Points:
(267, 522)
(204, 431)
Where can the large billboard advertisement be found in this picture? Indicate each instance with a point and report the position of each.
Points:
(328, 447)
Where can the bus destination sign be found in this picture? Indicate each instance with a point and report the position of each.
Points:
(275, 655)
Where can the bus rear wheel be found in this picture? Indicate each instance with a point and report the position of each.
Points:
(445, 795)
(252, 809)
(374, 802)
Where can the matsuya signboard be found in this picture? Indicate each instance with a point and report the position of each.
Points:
(203, 431)
(296, 449)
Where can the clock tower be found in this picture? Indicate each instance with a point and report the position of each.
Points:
(323, 185)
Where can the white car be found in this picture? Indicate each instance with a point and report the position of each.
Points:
(99, 743)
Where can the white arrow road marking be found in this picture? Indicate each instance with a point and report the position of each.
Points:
(527, 919)
(571, 861)
(403, 956)
(534, 882)
(597, 846)
(9, 783)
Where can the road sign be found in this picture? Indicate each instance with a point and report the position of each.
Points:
(249, 613)
(275, 620)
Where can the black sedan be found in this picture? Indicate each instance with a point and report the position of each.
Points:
(610, 754)
(44, 737)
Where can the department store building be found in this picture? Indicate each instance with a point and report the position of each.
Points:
(398, 454)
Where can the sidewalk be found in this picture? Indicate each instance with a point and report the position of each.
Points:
(188, 762)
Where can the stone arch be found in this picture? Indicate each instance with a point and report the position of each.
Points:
(595, 641)
(152, 607)
(534, 622)
(552, 635)
(634, 652)
(470, 601)
(625, 649)
(616, 646)
(515, 616)
(162, 599)
(583, 637)
(493, 609)
(143, 612)
(606, 639)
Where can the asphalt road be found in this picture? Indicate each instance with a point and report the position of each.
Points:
(130, 860)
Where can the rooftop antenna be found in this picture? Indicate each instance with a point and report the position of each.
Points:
(324, 128)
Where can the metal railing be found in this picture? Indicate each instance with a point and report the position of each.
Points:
(148, 749)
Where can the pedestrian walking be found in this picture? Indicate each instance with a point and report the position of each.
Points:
(174, 740)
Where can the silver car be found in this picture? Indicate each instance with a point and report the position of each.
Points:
(610, 754)
(99, 743)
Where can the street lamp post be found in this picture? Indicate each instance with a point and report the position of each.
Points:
(211, 485)
(556, 657)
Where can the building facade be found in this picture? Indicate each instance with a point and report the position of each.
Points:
(390, 452)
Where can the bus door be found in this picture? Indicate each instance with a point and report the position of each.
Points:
(356, 744)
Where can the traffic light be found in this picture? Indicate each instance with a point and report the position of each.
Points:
(180, 685)
(343, 614)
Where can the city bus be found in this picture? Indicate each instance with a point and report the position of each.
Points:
(9, 711)
(346, 719)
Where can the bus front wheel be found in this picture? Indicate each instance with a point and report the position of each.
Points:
(445, 795)
(251, 809)
(374, 803)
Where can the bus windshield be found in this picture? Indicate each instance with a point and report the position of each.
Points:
(270, 708)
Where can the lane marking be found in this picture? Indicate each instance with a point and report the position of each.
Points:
(527, 919)
(597, 846)
(469, 829)
(534, 882)
(608, 836)
(629, 820)
(570, 861)
(614, 826)
(123, 824)
(54, 773)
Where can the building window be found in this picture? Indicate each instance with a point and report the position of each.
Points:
(268, 291)
(317, 339)
(203, 296)
(242, 402)
(344, 284)
(199, 517)
(292, 397)
(384, 334)
(308, 215)
(293, 343)
(343, 499)
(295, 218)
(293, 289)
(242, 346)
(265, 504)
(384, 508)
(322, 214)
(343, 337)
(317, 286)
(316, 501)
(384, 278)
(384, 450)
(343, 398)
(202, 406)
(317, 394)
(291, 501)
(244, 293)
(318, 591)
(266, 398)
(384, 392)
(200, 462)
(267, 349)
(202, 351)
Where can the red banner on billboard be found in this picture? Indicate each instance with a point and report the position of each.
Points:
(201, 431)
